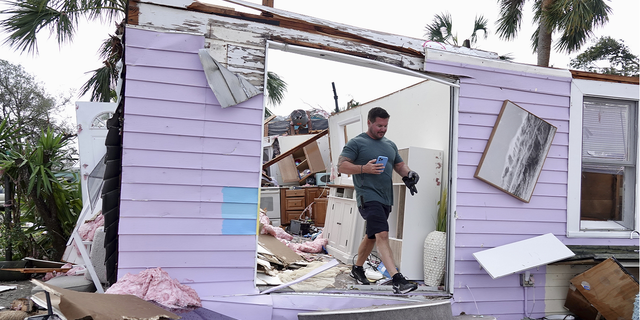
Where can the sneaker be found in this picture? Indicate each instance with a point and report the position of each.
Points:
(401, 285)
(358, 274)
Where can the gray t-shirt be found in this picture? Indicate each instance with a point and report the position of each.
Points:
(372, 187)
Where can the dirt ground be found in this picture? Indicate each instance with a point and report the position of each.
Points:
(23, 290)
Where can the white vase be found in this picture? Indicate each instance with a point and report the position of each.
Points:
(435, 254)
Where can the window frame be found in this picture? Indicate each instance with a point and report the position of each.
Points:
(596, 89)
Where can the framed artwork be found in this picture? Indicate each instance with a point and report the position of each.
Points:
(515, 153)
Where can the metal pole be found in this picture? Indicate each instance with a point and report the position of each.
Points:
(335, 96)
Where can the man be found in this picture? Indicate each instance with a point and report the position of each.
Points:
(374, 190)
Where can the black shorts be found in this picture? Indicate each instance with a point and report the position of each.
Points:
(376, 215)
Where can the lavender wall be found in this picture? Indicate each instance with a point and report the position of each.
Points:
(190, 170)
(488, 217)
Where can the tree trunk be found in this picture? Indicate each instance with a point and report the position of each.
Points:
(48, 211)
(544, 37)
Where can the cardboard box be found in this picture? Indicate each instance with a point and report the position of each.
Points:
(579, 305)
(609, 288)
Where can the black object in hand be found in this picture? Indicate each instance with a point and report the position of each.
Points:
(411, 184)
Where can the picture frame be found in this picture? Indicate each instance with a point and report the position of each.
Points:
(516, 151)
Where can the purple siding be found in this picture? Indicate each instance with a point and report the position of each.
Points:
(190, 170)
(488, 217)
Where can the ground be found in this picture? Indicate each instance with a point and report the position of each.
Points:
(23, 290)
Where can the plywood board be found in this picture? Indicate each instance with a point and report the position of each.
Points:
(522, 255)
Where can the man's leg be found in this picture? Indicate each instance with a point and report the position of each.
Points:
(382, 241)
(357, 271)
(400, 284)
(364, 250)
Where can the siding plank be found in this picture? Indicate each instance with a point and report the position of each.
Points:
(176, 259)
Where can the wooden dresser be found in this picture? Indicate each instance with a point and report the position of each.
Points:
(294, 201)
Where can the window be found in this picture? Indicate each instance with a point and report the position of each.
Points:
(608, 161)
(603, 153)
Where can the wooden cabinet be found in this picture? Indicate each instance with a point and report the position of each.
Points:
(294, 201)
(292, 167)
(320, 211)
(344, 228)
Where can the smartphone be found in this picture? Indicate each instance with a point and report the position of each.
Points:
(383, 160)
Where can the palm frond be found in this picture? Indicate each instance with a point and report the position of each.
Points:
(100, 84)
(510, 18)
(577, 19)
(480, 24)
(440, 29)
(28, 18)
(534, 39)
(276, 87)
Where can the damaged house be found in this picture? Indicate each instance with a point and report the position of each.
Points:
(187, 162)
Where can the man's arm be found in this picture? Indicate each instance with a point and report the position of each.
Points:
(402, 169)
(345, 165)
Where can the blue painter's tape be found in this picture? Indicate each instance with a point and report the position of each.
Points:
(239, 226)
(239, 210)
(240, 195)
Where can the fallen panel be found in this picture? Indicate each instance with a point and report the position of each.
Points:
(80, 305)
(522, 255)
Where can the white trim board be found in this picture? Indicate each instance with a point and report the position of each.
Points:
(522, 255)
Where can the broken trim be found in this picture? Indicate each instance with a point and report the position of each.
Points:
(229, 88)
(357, 61)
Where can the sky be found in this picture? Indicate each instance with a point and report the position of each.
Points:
(63, 69)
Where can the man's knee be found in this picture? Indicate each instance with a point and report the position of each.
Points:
(384, 235)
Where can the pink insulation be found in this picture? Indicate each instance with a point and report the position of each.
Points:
(267, 228)
(88, 229)
(73, 271)
(156, 285)
(314, 246)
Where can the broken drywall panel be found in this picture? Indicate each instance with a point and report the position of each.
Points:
(278, 248)
(268, 279)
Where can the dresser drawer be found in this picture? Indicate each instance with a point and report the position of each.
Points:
(295, 204)
(294, 193)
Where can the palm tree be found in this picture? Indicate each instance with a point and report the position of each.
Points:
(28, 18)
(32, 167)
(574, 19)
(441, 28)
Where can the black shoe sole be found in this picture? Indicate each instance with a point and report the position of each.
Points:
(397, 291)
(358, 281)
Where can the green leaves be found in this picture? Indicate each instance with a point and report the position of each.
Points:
(573, 19)
(276, 87)
(27, 19)
(608, 56)
(60, 17)
(441, 29)
(510, 18)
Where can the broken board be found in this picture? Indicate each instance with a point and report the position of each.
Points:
(279, 249)
(522, 255)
